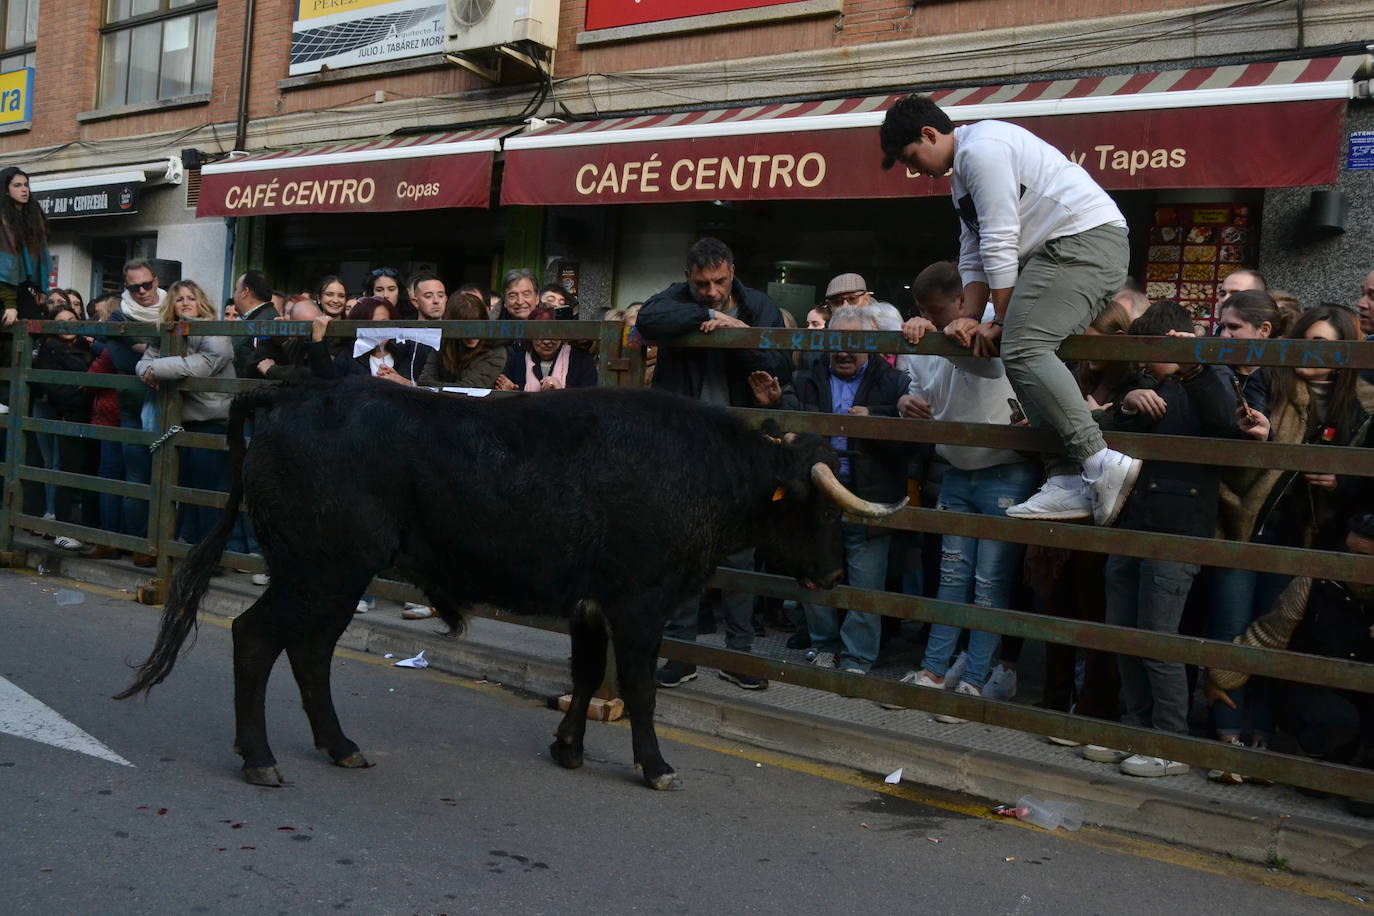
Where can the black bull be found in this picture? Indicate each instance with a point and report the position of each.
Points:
(608, 507)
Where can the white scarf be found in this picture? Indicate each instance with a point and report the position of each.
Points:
(135, 312)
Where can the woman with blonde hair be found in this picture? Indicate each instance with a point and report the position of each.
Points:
(201, 411)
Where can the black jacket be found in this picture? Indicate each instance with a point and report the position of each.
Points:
(877, 468)
(1171, 496)
(125, 359)
(244, 364)
(409, 359)
(1336, 625)
(674, 312)
(581, 369)
(69, 402)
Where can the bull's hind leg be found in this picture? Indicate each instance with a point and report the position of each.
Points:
(257, 643)
(588, 631)
(636, 637)
(310, 656)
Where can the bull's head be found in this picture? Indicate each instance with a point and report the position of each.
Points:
(802, 537)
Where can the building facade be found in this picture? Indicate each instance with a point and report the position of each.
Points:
(595, 139)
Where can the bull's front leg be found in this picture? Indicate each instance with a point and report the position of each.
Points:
(636, 651)
(588, 631)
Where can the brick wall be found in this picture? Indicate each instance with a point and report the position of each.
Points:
(68, 52)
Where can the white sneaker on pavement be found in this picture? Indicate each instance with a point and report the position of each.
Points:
(363, 606)
(1116, 476)
(261, 579)
(917, 678)
(68, 543)
(1100, 754)
(1147, 766)
(418, 612)
(1055, 503)
(1001, 683)
(967, 690)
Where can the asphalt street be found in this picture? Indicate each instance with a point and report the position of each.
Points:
(463, 812)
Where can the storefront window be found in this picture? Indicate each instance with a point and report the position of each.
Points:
(20, 21)
(155, 49)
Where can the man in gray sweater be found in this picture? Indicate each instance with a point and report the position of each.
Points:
(1047, 247)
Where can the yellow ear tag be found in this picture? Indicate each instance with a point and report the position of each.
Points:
(777, 494)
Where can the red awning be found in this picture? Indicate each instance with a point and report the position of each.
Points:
(1213, 127)
(392, 173)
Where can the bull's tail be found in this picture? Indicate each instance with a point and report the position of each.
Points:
(192, 577)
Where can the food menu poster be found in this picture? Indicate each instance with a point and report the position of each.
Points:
(1194, 248)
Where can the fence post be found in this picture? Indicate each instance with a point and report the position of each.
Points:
(165, 463)
(21, 359)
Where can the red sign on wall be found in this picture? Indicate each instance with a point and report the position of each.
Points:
(1136, 150)
(421, 183)
(609, 14)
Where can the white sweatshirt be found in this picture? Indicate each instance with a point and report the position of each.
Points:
(964, 390)
(1014, 192)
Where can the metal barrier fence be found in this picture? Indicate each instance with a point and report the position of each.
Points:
(621, 363)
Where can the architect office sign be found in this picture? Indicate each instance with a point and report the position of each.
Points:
(610, 14)
(330, 34)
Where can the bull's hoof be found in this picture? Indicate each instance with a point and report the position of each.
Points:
(568, 757)
(354, 761)
(263, 776)
(664, 782)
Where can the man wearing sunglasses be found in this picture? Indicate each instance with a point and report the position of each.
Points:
(141, 302)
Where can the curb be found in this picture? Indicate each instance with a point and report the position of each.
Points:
(1307, 846)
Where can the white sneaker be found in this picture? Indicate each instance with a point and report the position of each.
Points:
(418, 611)
(4, 409)
(1100, 754)
(917, 678)
(363, 607)
(1001, 683)
(412, 605)
(967, 690)
(955, 674)
(1055, 503)
(1146, 766)
(67, 543)
(260, 579)
(1112, 486)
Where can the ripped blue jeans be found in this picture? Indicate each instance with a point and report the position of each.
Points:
(979, 570)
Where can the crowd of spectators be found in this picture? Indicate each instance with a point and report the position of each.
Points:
(1316, 404)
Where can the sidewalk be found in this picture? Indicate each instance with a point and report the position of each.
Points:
(1261, 824)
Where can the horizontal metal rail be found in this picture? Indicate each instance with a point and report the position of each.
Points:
(1322, 564)
(1298, 771)
(1350, 461)
(86, 482)
(1279, 351)
(1293, 666)
(82, 533)
(86, 379)
(88, 431)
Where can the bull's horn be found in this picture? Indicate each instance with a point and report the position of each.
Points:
(830, 485)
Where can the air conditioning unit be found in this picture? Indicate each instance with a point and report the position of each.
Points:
(477, 24)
